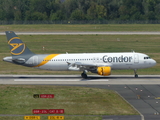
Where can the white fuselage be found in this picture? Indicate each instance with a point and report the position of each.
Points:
(64, 62)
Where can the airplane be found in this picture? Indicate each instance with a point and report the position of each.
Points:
(99, 63)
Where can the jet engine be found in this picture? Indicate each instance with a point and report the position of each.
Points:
(105, 71)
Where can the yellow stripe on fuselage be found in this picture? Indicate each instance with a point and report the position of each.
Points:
(46, 59)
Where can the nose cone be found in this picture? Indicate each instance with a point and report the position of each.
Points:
(153, 62)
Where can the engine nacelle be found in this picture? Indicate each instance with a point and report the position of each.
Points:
(105, 71)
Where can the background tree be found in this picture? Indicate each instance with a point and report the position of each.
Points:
(77, 15)
(21, 10)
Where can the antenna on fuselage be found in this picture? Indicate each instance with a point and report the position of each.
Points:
(132, 51)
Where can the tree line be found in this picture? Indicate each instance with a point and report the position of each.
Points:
(51, 10)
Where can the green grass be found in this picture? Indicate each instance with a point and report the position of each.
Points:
(148, 44)
(19, 100)
(81, 27)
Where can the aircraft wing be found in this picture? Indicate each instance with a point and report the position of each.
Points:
(92, 65)
(85, 66)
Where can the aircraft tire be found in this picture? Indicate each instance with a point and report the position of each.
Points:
(136, 76)
(84, 75)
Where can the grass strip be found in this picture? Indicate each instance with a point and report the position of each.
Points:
(148, 44)
(19, 100)
(80, 27)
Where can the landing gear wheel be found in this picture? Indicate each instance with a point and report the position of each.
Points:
(135, 72)
(84, 75)
(136, 76)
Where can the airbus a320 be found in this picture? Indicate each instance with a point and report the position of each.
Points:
(99, 63)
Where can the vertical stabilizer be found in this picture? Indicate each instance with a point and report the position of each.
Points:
(17, 47)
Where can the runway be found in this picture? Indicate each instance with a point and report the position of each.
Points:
(142, 93)
(87, 33)
(77, 80)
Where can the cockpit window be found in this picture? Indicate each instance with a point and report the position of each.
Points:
(147, 58)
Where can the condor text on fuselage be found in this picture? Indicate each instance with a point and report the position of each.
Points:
(108, 59)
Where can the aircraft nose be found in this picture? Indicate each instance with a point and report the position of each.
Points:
(153, 62)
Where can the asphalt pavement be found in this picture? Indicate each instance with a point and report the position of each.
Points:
(88, 33)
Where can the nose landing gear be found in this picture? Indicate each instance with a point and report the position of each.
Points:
(135, 73)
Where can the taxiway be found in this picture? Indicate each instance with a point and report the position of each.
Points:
(77, 80)
(142, 93)
(87, 33)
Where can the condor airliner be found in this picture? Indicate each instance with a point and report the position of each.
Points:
(99, 63)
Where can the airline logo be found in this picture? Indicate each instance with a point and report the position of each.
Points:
(17, 47)
(122, 58)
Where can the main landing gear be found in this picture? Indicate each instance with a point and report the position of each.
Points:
(135, 72)
(84, 74)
